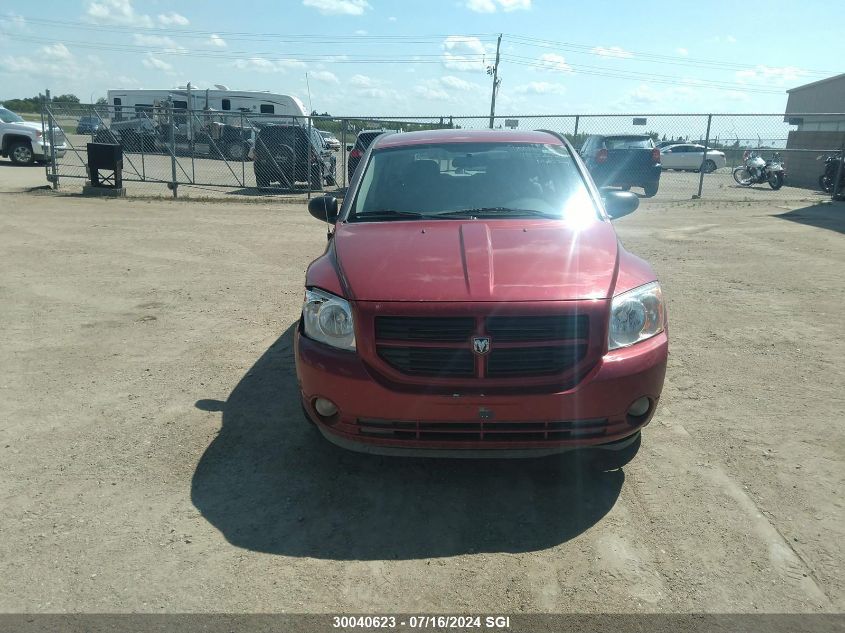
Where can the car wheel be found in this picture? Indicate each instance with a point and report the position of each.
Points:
(236, 151)
(607, 459)
(21, 153)
(651, 189)
(776, 181)
(708, 166)
(262, 179)
(316, 180)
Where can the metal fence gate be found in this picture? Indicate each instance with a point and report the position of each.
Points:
(243, 153)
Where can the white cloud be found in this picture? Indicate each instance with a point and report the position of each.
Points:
(338, 7)
(465, 53)
(612, 51)
(515, 5)
(450, 81)
(431, 92)
(156, 41)
(553, 61)
(770, 74)
(361, 81)
(360, 32)
(682, 52)
(324, 76)
(172, 19)
(57, 51)
(216, 41)
(154, 63)
(481, 6)
(263, 65)
(540, 88)
(116, 12)
(12, 22)
(644, 95)
(53, 60)
(491, 6)
(392, 18)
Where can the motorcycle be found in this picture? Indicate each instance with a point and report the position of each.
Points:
(828, 178)
(756, 170)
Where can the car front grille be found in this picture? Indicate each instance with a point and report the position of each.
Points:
(483, 430)
(519, 346)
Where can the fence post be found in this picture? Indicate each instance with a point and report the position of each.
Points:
(704, 157)
(54, 176)
(44, 132)
(575, 136)
(172, 140)
(343, 124)
(243, 161)
(836, 189)
(310, 158)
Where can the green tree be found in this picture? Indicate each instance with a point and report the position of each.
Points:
(68, 98)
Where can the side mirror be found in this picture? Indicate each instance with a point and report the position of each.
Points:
(618, 204)
(324, 208)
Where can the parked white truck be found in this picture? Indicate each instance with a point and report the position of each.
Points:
(23, 141)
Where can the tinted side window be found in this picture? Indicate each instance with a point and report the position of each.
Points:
(226, 105)
(267, 108)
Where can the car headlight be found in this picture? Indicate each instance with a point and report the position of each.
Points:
(328, 319)
(636, 315)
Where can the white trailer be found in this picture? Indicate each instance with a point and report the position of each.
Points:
(254, 106)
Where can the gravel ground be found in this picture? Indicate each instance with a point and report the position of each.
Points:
(153, 458)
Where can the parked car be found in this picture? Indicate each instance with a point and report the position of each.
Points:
(691, 157)
(623, 161)
(24, 142)
(88, 125)
(329, 139)
(474, 299)
(362, 142)
(285, 154)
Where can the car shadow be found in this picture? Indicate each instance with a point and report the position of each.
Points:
(270, 483)
(827, 215)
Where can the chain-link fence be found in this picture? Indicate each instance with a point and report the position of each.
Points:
(666, 156)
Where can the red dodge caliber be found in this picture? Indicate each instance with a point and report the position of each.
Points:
(474, 300)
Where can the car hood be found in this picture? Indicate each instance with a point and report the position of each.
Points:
(23, 126)
(476, 260)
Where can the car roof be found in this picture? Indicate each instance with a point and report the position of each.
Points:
(429, 137)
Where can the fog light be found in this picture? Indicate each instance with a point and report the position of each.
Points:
(325, 407)
(640, 407)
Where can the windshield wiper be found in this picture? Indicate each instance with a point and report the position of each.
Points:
(386, 214)
(496, 212)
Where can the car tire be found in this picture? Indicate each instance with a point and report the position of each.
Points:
(20, 153)
(316, 181)
(708, 166)
(650, 189)
(607, 459)
(262, 180)
(236, 151)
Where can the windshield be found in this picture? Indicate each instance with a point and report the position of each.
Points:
(474, 180)
(629, 143)
(7, 116)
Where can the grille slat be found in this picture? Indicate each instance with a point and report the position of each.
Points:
(537, 328)
(484, 430)
(538, 346)
(446, 329)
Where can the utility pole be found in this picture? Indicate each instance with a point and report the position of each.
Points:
(494, 70)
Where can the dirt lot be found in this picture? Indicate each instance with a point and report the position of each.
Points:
(152, 455)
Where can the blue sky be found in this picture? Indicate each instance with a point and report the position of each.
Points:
(391, 57)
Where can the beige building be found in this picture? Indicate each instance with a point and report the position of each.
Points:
(818, 112)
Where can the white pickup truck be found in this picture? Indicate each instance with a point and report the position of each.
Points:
(23, 141)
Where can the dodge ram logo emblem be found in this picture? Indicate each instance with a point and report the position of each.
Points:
(480, 345)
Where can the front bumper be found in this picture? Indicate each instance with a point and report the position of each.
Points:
(42, 150)
(376, 419)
